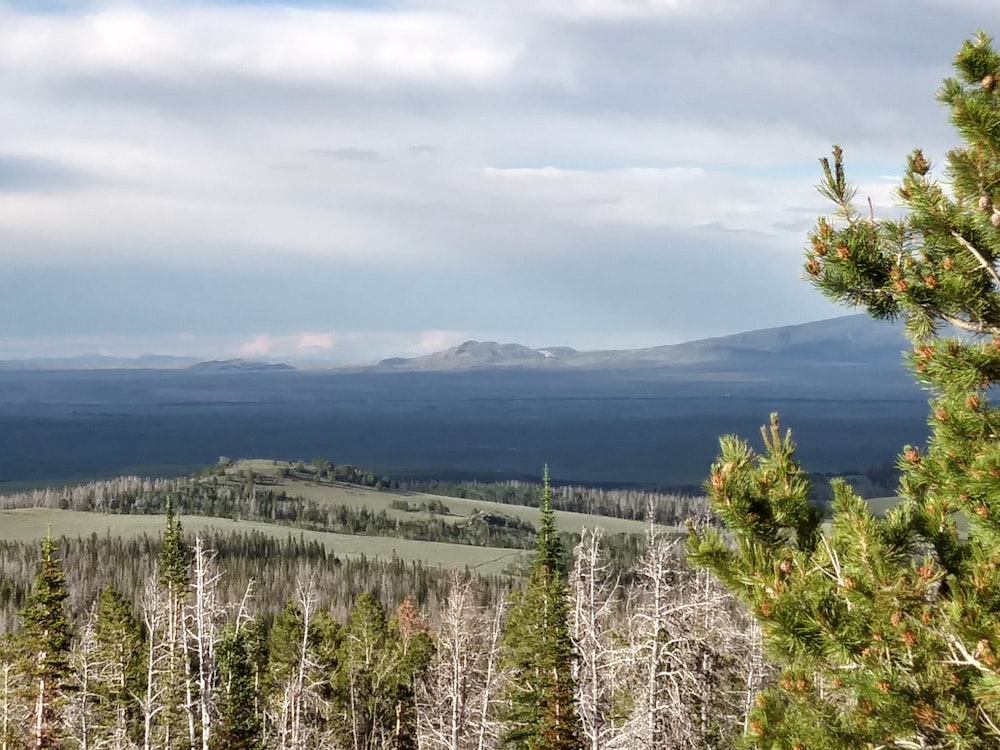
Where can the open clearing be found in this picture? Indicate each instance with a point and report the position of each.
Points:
(33, 523)
(459, 508)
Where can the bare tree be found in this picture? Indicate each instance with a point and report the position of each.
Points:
(157, 657)
(298, 698)
(696, 661)
(81, 714)
(599, 658)
(204, 619)
(13, 709)
(649, 611)
(457, 695)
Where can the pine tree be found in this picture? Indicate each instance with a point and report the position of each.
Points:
(539, 650)
(175, 722)
(46, 640)
(888, 629)
(239, 724)
(119, 652)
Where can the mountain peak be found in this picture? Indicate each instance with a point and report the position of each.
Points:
(836, 341)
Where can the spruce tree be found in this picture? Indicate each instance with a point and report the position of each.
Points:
(239, 723)
(173, 675)
(888, 629)
(46, 641)
(539, 650)
(120, 652)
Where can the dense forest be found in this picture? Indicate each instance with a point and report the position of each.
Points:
(249, 642)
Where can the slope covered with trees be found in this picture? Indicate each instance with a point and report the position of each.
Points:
(201, 642)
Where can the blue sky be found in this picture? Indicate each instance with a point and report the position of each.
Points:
(353, 180)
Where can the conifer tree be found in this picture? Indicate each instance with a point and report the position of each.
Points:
(239, 724)
(46, 640)
(539, 650)
(888, 629)
(176, 720)
(120, 650)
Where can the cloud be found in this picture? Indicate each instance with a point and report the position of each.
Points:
(259, 346)
(347, 154)
(573, 172)
(20, 174)
(315, 341)
(310, 45)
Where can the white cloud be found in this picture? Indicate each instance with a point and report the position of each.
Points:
(260, 345)
(617, 10)
(315, 341)
(283, 43)
(412, 165)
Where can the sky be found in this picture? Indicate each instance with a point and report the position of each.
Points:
(353, 180)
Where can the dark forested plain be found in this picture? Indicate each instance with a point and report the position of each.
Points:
(644, 426)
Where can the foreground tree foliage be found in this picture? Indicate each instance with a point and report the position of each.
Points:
(888, 629)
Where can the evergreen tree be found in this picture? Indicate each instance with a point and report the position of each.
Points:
(539, 650)
(888, 629)
(175, 722)
(175, 555)
(368, 678)
(239, 724)
(46, 640)
(119, 652)
(302, 647)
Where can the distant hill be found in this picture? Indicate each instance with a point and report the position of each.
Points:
(854, 339)
(99, 362)
(238, 365)
(481, 354)
(842, 341)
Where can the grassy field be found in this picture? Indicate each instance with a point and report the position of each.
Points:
(33, 523)
(459, 508)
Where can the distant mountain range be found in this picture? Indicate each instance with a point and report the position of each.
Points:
(100, 362)
(145, 362)
(855, 339)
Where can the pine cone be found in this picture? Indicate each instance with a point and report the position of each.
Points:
(925, 714)
(989, 82)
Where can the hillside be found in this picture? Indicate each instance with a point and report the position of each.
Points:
(845, 340)
(225, 501)
(29, 524)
